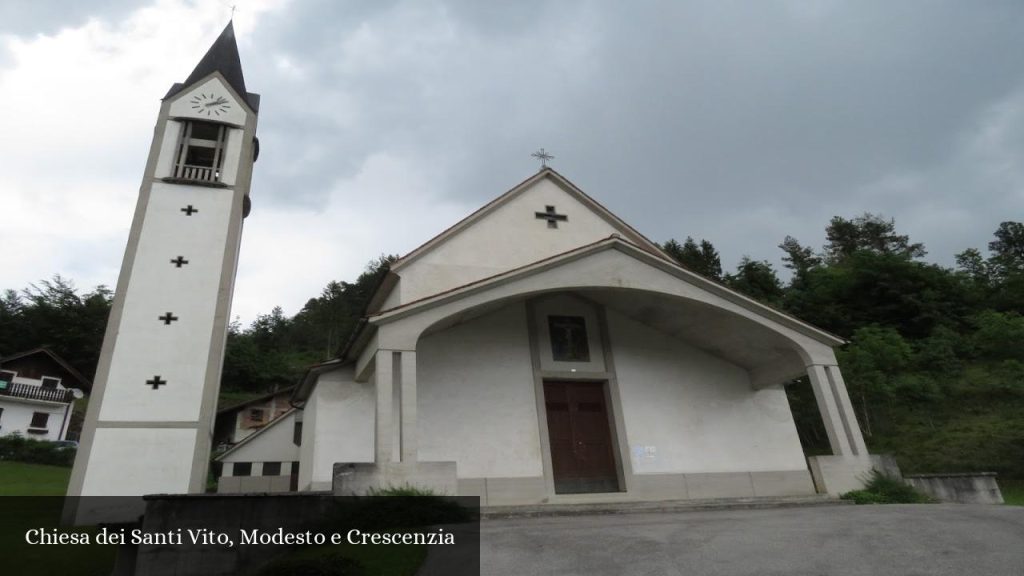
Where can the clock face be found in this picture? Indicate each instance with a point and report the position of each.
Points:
(210, 104)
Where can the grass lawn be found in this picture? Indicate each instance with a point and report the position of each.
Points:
(43, 488)
(20, 479)
(1013, 491)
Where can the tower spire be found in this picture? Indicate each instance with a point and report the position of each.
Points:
(221, 57)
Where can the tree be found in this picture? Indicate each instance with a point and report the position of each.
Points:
(885, 289)
(1007, 250)
(999, 335)
(872, 362)
(52, 313)
(757, 279)
(799, 259)
(973, 266)
(868, 232)
(276, 350)
(702, 259)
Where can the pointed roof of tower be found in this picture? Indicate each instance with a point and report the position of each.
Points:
(221, 57)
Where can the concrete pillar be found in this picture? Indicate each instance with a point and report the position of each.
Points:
(408, 407)
(831, 416)
(846, 412)
(384, 382)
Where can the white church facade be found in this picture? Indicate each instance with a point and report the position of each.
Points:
(540, 350)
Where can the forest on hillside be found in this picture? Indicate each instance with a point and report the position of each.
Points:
(934, 362)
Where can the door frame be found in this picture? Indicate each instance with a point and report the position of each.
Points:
(610, 385)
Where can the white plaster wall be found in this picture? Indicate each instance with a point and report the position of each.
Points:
(182, 106)
(687, 411)
(394, 297)
(17, 416)
(274, 444)
(145, 346)
(142, 461)
(165, 160)
(308, 416)
(338, 426)
(232, 154)
(507, 238)
(476, 402)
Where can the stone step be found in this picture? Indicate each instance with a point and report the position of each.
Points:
(648, 507)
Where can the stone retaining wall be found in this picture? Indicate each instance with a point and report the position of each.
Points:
(968, 488)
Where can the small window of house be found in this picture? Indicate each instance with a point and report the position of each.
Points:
(50, 383)
(271, 468)
(39, 420)
(256, 414)
(568, 339)
(6, 378)
(242, 469)
(297, 434)
(200, 153)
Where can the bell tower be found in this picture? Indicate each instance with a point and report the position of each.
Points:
(150, 419)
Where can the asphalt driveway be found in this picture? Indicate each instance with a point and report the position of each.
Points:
(936, 539)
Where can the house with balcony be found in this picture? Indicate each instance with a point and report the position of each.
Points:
(38, 390)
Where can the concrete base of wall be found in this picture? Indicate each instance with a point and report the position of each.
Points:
(359, 478)
(528, 491)
(835, 475)
(245, 484)
(505, 491)
(970, 488)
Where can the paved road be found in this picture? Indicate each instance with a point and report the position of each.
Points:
(936, 539)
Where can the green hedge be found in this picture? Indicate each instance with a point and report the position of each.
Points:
(882, 489)
(15, 448)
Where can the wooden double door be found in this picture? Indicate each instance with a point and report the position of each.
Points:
(582, 450)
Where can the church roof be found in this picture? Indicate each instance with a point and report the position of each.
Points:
(546, 172)
(614, 242)
(221, 57)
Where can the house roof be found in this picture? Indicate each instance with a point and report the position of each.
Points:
(86, 384)
(545, 173)
(256, 434)
(256, 400)
(301, 392)
(221, 57)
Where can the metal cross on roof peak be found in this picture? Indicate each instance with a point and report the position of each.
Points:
(543, 157)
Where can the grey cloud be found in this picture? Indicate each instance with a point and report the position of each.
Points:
(30, 17)
(679, 116)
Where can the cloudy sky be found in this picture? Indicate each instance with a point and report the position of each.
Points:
(384, 122)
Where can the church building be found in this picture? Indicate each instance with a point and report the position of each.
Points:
(541, 350)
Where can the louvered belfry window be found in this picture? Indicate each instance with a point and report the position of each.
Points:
(200, 154)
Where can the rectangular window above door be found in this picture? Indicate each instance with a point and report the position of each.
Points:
(569, 339)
